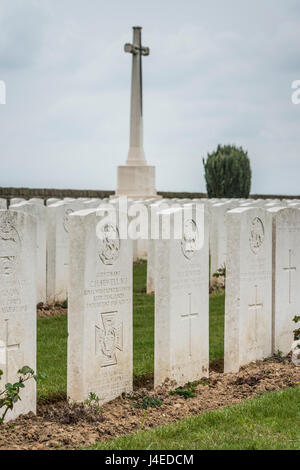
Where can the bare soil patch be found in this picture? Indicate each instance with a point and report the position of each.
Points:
(44, 310)
(60, 425)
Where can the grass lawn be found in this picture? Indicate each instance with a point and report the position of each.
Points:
(271, 421)
(52, 339)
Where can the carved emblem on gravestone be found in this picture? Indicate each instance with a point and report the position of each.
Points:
(109, 338)
(10, 245)
(190, 239)
(66, 219)
(257, 234)
(109, 244)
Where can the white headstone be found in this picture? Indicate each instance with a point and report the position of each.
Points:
(217, 235)
(18, 304)
(153, 236)
(36, 200)
(248, 302)
(52, 200)
(99, 309)
(3, 204)
(92, 203)
(58, 249)
(16, 200)
(39, 212)
(286, 276)
(181, 303)
(141, 245)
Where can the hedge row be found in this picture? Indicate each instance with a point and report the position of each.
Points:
(46, 193)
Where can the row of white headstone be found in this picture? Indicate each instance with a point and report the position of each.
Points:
(262, 276)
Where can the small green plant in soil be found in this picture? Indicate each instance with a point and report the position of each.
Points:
(93, 401)
(296, 320)
(221, 272)
(277, 357)
(11, 393)
(148, 402)
(187, 391)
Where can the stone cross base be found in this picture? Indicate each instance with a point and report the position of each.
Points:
(136, 181)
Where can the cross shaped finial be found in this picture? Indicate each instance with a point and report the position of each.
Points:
(136, 47)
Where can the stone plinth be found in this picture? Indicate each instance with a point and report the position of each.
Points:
(137, 181)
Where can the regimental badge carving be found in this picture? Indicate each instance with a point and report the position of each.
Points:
(257, 234)
(109, 338)
(10, 245)
(109, 244)
(66, 219)
(190, 239)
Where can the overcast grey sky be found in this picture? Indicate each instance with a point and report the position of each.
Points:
(218, 72)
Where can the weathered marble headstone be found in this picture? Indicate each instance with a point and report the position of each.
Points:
(92, 203)
(39, 212)
(153, 236)
(286, 275)
(58, 219)
(181, 303)
(18, 304)
(3, 204)
(142, 244)
(52, 200)
(218, 236)
(36, 200)
(248, 302)
(16, 200)
(99, 309)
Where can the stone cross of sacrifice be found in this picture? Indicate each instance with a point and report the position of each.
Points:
(136, 155)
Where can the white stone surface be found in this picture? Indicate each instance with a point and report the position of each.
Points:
(218, 235)
(16, 200)
(136, 179)
(36, 200)
(39, 212)
(136, 155)
(154, 231)
(3, 204)
(181, 306)
(141, 245)
(92, 203)
(58, 219)
(18, 304)
(286, 275)
(99, 310)
(248, 302)
(52, 200)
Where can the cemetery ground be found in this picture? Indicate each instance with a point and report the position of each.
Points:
(257, 408)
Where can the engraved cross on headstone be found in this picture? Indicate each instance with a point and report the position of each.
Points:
(136, 154)
(290, 268)
(190, 316)
(5, 349)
